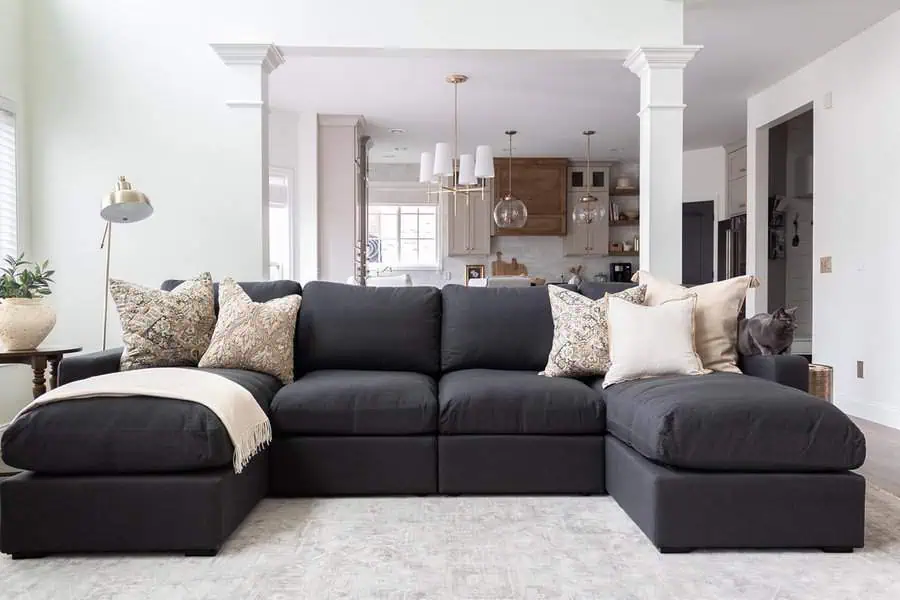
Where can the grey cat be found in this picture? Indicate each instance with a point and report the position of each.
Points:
(767, 334)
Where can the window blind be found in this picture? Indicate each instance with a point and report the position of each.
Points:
(8, 202)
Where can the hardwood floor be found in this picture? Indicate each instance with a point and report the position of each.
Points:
(882, 466)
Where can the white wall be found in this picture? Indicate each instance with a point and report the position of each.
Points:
(856, 214)
(283, 139)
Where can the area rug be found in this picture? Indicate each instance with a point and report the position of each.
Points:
(530, 548)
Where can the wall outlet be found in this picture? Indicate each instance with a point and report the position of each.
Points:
(859, 369)
(825, 264)
(447, 275)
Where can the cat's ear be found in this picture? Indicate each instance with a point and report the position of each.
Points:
(778, 311)
(790, 311)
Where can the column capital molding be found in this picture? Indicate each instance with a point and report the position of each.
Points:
(267, 57)
(660, 57)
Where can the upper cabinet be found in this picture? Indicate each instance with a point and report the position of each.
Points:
(580, 176)
(541, 184)
(737, 182)
(468, 218)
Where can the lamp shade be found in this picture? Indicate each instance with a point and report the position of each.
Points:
(467, 169)
(443, 161)
(426, 167)
(125, 204)
(484, 162)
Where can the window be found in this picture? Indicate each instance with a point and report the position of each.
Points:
(280, 249)
(9, 243)
(403, 236)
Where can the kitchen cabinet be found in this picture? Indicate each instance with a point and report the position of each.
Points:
(468, 218)
(737, 182)
(579, 176)
(737, 196)
(737, 163)
(587, 240)
(541, 184)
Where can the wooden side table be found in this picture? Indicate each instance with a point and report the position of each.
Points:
(39, 358)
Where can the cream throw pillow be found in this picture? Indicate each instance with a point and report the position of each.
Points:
(164, 329)
(651, 341)
(580, 337)
(718, 306)
(257, 336)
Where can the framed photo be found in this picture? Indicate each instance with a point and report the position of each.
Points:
(474, 272)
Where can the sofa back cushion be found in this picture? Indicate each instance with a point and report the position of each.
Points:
(598, 289)
(259, 291)
(367, 328)
(496, 328)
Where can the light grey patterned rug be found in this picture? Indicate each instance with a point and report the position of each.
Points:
(466, 548)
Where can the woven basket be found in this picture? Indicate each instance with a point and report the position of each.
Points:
(820, 381)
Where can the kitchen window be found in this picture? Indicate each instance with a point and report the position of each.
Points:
(403, 237)
(9, 229)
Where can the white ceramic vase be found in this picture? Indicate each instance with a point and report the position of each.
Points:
(25, 322)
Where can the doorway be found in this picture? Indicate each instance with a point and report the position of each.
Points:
(697, 253)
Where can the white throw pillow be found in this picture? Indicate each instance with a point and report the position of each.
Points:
(716, 315)
(651, 341)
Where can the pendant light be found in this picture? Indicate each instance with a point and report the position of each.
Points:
(588, 208)
(510, 212)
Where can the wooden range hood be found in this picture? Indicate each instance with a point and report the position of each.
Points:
(541, 184)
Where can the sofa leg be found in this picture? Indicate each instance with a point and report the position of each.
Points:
(837, 549)
(671, 550)
(27, 555)
(204, 552)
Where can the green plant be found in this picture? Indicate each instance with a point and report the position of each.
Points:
(17, 280)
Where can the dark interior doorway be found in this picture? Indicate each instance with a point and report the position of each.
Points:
(697, 258)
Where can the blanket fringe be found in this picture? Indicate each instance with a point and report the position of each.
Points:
(251, 444)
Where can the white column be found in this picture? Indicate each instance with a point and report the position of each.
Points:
(251, 65)
(662, 143)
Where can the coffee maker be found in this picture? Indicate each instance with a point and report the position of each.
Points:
(620, 272)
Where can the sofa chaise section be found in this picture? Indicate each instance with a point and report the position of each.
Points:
(734, 461)
(361, 418)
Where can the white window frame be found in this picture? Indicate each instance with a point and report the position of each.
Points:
(8, 106)
(409, 194)
(287, 271)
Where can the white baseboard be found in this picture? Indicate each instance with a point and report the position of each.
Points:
(871, 412)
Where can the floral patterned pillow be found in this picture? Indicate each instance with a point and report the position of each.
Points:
(257, 336)
(164, 329)
(581, 332)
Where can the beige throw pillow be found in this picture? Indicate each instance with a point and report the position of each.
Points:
(580, 337)
(164, 329)
(651, 341)
(718, 306)
(257, 336)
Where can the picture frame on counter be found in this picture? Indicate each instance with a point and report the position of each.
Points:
(474, 272)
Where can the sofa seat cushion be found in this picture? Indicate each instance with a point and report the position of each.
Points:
(337, 402)
(487, 401)
(132, 434)
(732, 422)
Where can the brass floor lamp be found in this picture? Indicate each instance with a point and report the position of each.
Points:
(123, 205)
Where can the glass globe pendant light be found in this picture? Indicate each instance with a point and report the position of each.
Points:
(588, 208)
(510, 212)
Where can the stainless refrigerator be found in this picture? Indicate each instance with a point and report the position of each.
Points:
(732, 247)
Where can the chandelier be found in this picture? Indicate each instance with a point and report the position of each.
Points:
(510, 212)
(588, 208)
(456, 173)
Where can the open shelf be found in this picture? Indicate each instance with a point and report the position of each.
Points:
(623, 254)
(621, 192)
(625, 223)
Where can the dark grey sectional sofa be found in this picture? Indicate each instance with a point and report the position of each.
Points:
(427, 391)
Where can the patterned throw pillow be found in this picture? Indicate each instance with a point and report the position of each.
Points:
(580, 332)
(257, 336)
(164, 329)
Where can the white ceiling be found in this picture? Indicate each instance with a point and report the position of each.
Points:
(748, 45)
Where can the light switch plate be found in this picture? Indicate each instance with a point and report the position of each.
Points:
(825, 264)
(859, 369)
(828, 100)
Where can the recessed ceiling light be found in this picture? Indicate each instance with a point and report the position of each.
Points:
(389, 155)
(396, 130)
(615, 149)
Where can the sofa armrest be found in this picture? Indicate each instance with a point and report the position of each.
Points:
(786, 369)
(90, 364)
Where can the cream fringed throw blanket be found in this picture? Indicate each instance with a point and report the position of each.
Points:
(246, 423)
